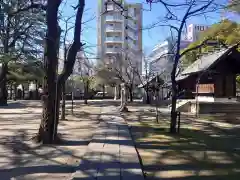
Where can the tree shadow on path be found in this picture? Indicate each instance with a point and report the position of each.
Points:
(201, 151)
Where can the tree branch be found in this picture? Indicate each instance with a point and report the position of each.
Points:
(19, 34)
(194, 48)
(76, 45)
(200, 9)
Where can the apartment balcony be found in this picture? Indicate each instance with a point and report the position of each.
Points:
(133, 47)
(114, 19)
(113, 50)
(132, 36)
(113, 29)
(110, 7)
(113, 40)
(131, 16)
(132, 25)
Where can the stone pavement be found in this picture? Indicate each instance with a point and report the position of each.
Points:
(111, 154)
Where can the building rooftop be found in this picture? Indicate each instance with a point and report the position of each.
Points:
(203, 63)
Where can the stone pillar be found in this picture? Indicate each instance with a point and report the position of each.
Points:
(123, 107)
(115, 93)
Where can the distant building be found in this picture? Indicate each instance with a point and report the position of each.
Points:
(82, 64)
(184, 44)
(161, 58)
(120, 32)
(82, 67)
(161, 61)
(194, 30)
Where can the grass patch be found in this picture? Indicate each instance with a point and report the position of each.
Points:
(200, 151)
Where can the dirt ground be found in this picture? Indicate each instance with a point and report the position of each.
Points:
(205, 149)
(20, 158)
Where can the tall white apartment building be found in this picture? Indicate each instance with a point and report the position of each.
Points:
(120, 32)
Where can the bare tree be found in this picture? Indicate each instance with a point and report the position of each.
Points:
(143, 77)
(67, 28)
(191, 8)
(53, 83)
(150, 82)
(86, 75)
(120, 68)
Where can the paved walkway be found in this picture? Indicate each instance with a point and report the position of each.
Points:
(111, 154)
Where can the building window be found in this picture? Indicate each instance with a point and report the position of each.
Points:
(135, 12)
(190, 29)
(109, 46)
(110, 7)
(202, 28)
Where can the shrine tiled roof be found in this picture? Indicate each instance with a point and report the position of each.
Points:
(203, 63)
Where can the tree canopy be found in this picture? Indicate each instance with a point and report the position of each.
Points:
(226, 32)
(22, 36)
(22, 72)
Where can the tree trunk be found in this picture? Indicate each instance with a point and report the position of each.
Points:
(173, 110)
(4, 69)
(53, 83)
(130, 94)
(147, 94)
(63, 101)
(11, 88)
(148, 98)
(47, 133)
(123, 107)
(115, 92)
(72, 101)
(103, 89)
(156, 104)
(86, 92)
(15, 91)
(23, 92)
(3, 85)
(119, 91)
(36, 91)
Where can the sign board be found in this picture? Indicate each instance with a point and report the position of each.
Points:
(205, 88)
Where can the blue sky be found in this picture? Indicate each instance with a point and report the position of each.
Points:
(150, 37)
